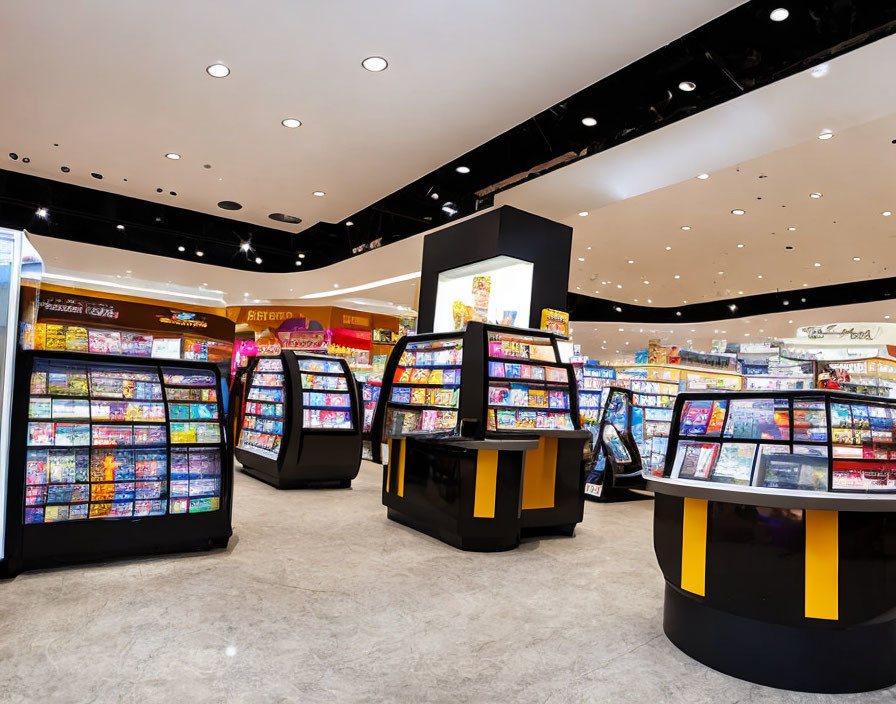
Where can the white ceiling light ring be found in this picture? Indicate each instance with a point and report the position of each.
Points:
(375, 64)
(217, 70)
(364, 287)
(779, 14)
(174, 156)
(291, 123)
(589, 121)
(687, 86)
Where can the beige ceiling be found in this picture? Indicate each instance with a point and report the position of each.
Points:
(117, 85)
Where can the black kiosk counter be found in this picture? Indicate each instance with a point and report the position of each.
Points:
(774, 528)
(115, 456)
(483, 437)
(301, 423)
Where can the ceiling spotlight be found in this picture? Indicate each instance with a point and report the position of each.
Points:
(291, 122)
(172, 155)
(703, 177)
(42, 213)
(349, 223)
(302, 255)
(687, 86)
(449, 208)
(857, 259)
(740, 246)
(646, 282)
(786, 302)
(886, 213)
(758, 276)
(298, 262)
(820, 70)
(463, 169)
(779, 15)
(618, 285)
(181, 249)
(200, 253)
(258, 260)
(826, 134)
(815, 195)
(217, 70)
(581, 259)
(617, 309)
(245, 246)
(434, 195)
(737, 211)
(119, 227)
(817, 264)
(791, 229)
(732, 307)
(335, 285)
(589, 121)
(319, 194)
(685, 227)
(375, 64)
(678, 313)
(631, 261)
(583, 214)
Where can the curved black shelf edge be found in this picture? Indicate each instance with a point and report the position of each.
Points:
(603, 310)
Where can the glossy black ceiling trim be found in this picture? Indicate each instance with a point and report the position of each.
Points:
(738, 52)
(601, 310)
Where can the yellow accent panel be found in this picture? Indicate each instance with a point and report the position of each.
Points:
(486, 484)
(401, 446)
(822, 564)
(693, 546)
(540, 474)
(389, 467)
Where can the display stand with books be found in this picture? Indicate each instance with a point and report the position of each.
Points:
(114, 456)
(301, 424)
(482, 436)
(774, 528)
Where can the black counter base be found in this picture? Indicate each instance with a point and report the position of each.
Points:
(498, 543)
(280, 482)
(806, 658)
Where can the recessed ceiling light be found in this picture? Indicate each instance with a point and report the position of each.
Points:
(200, 253)
(886, 317)
(759, 276)
(218, 70)
(588, 248)
(826, 134)
(820, 70)
(779, 15)
(618, 285)
(631, 261)
(291, 122)
(677, 276)
(41, 212)
(668, 248)
(172, 155)
(817, 264)
(375, 63)
(119, 227)
(857, 259)
(298, 262)
(302, 256)
(583, 214)
(687, 86)
(434, 195)
(335, 285)
(685, 227)
(245, 293)
(815, 195)
(319, 194)
(732, 307)
(181, 249)
(721, 273)
(581, 259)
(463, 169)
(650, 300)
(737, 211)
(245, 246)
(886, 213)
(258, 260)
(791, 229)
(678, 312)
(703, 177)
(646, 281)
(589, 121)
(349, 223)
(740, 246)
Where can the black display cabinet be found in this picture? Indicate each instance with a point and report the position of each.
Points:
(115, 456)
(482, 435)
(301, 424)
(774, 529)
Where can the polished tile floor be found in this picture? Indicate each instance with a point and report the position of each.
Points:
(320, 598)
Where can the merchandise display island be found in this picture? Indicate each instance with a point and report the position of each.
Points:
(483, 438)
(113, 457)
(774, 528)
(301, 424)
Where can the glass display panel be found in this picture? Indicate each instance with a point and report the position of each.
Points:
(735, 463)
(617, 410)
(694, 460)
(783, 470)
(760, 418)
(703, 417)
(328, 366)
(615, 445)
(809, 420)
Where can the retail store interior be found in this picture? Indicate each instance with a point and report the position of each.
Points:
(511, 351)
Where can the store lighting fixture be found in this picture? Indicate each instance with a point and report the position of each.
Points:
(687, 86)
(650, 300)
(886, 213)
(740, 246)
(617, 309)
(181, 249)
(791, 229)
(301, 255)
(434, 195)
(589, 121)
(631, 261)
(42, 213)
(668, 248)
(463, 169)
(759, 276)
(349, 223)
(703, 177)
(817, 264)
(173, 156)
(618, 285)
(646, 281)
(298, 262)
(364, 287)
(449, 208)
(820, 71)
(583, 214)
(685, 227)
(677, 276)
(375, 64)
(721, 273)
(246, 246)
(886, 317)
(779, 14)
(678, 313)
(826, 134)
(217, 70)
(588, 248)
(737, 211)
(258, 260)
(581, 259)
(119, 227)
(126, 287)
(291, 122)
(200, 253)
(857, 259)
(319, 194)
(815, 195)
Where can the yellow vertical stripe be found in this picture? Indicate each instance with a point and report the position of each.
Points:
(540, 474)
(389, 466)
(822, 558)
(401, 446)
(486, 484)
(693, 546)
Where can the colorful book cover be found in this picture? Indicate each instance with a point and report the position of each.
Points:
(538, 398)
(418, 397)
(76, 339)
(401, 394)
(55, 339)
(519, 395)
(525, 371)
(506, 419)
(436, 376)
(512, 371)
(498, 395)
(38, 382)
(526, 419)
(420, 376)
(451, 377)
(539, 373)
(496, 369)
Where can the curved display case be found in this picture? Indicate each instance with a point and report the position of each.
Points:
(482, 436)
(617, 454)
(300, 423)
(774, 529)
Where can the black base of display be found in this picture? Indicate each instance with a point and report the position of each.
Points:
(278, 482)
(473, 544)
(816, 657)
